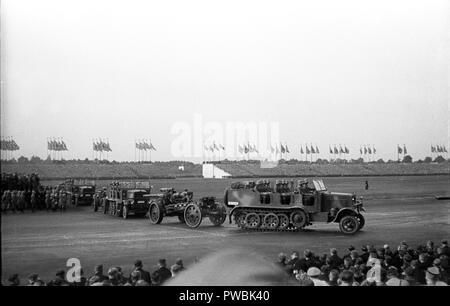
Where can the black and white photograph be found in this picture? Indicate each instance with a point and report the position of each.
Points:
(233, 145)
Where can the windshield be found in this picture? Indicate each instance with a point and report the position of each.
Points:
(137, 194)
(319, 185)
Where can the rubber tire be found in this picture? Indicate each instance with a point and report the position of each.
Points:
(187, 218)
(219, 218)
(304, 221)
(349, 218)
(157, 219)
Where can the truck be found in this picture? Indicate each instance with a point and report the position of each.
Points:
(127, 198)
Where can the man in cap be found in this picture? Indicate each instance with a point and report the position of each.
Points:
(14, 280)
(60, 279)
(138, 266)
(306, 262)
(445, 248)
(432, 277)
(314, 275)
(175, 269)
(98, 276)
(292, 262)
(335, 260)
(113, 276)
(393, 279)
(346, 278)
(162, 272)
(34, 280)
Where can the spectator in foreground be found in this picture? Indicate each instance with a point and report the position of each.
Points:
(14, 280)
(346, 279)
(98, 276)
(162, 273)
(432, 277)
(138, 266)
(314, 275)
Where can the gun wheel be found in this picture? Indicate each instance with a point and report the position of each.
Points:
(299, 218)
(349, 225)
(193, 215)
(155, 213)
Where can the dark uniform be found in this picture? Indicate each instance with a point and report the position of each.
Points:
(33, 200)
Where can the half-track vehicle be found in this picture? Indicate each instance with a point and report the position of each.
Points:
(285, 207)
(169, 203)
(126, 198)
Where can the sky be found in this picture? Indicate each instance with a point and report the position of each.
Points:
(326, 72)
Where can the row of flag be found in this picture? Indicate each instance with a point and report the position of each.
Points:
(438, 149)
(101, 146)
(366, 149)
(214, 147)
(144, 145)
(56, 145)
(8, 144)
(401, 150)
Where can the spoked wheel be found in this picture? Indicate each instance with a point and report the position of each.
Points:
(155, 213)
(283, 221)
(252, 220)
(271, 221)
(239, 218)
(181, 218)
(361, 221)
(193, 215)
(299, 218)
(349, 225)
(125, 212)
(219, 217)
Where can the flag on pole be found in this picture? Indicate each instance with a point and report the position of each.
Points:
(360, 150)
(307, 150)
(404, 150)
(336, 150)
(282, 149)
(287, 149)
(301, 150)
(317, 150)
(331, 151)
(346, 150)
(313, 151)
(399, 149)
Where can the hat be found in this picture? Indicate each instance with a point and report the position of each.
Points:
(433, 270)
(162, 261)
(351, 248)
(443, 241)
(364, 249)
(333, 251)
(386, 246)
(313, 271)
(175, 268)
(138, 263)
(179, 261)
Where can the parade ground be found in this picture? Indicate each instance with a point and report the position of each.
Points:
(397, 208)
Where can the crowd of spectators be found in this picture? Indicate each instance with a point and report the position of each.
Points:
(113, 277)
(402, 266)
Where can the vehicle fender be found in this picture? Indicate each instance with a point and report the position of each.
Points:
(231, 214)
(344, 212)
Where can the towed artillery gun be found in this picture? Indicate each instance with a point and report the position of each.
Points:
(259, 206)
(169, 203)
(126, 198)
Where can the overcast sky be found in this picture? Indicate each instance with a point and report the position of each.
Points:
(349, 72)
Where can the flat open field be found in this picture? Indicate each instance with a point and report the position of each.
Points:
(398, 208)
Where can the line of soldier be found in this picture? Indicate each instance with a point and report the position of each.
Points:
(14, 181)
(43, 198)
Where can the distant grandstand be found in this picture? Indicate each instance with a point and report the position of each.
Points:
(55, 171)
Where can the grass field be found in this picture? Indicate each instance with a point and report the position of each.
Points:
(398, 208)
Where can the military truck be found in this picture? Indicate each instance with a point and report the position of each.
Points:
(81, 192)
(126, 198)
(285, 207)
(169, 203)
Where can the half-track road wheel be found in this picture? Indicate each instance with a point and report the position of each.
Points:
(299, 218)
(252, 220)
(361, 221)
(349, 224)
(193, 215)
(239, 218)
(155, 212)
(283, 221)
(271, 221)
